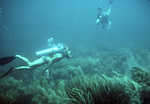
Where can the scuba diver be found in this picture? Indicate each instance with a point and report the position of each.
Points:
(102, 18)
(48, 56)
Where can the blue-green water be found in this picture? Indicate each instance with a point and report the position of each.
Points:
(25, 26)
(31, 22)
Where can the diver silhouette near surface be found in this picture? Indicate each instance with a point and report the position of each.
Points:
(49, 56)
(102, 17)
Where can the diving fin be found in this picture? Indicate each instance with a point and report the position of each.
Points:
(6, 60)
(110, 1)
(5, 74)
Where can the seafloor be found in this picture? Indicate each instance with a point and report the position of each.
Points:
(104, 75)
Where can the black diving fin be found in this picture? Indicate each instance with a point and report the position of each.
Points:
(5, 74)
(6, 60)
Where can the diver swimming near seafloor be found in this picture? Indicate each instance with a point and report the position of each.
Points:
(102, 17)
(48, 56)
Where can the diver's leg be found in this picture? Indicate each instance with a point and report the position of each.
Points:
(34, 64)
(39, 61)
(24, 59)
(31, 65)
(109, 9)
(13, 69)
(22, 67)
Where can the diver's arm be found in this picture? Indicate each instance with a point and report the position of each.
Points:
(98, 16)
(97, 21)
(109, 9)
(109, 24)
(56, 58)
(99, 13)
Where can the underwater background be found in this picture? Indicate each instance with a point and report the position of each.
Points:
(107, 66)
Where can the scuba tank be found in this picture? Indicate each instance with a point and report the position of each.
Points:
(52, 50)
